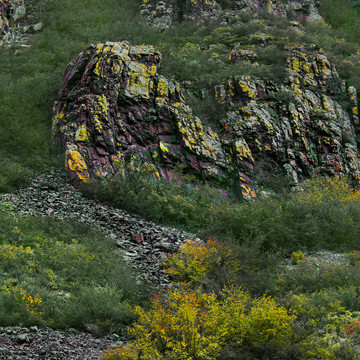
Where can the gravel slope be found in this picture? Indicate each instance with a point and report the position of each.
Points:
(141, 243)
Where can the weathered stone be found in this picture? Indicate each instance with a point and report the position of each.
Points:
(304, 9)
(116, 111)
(239, 54)
(163, 13)
(297, 130)
(10, 12)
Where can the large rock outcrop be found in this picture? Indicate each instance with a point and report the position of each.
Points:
(298, 129)
(116, 112)
(10, 12)
(163, 13)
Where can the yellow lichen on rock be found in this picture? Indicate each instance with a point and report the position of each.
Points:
(76, 163)
(82, 133)
(163, 147)
(140, 83)
(247, 192)
(161, 91)
(243, 151)
(220, 93)
(59, 117)
(248, 87)
(99, 108)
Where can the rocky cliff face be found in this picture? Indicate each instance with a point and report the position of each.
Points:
(164, 13)
(298, 129)
(10, 12)
(116, 113)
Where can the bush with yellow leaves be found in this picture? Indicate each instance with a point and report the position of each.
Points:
(192, 325)
(197, 262)
(186, 325)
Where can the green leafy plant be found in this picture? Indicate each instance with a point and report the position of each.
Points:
(196, 264)
(61, 274)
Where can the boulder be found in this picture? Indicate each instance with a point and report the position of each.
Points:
(10, 12)
(116, 112)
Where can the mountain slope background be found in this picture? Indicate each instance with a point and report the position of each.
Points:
(301, 249)
(64, 39)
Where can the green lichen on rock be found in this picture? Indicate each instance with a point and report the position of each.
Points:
(303, 136)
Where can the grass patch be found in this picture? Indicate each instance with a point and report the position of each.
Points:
(326, 215)
(62, 274)
(182, 201)
(342, 15)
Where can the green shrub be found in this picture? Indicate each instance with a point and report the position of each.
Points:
(341, 15)
(72, 272)
(181, 201)
(296, 256)
(263, 322)
(213, 265)
(208, 265)
(324, 216)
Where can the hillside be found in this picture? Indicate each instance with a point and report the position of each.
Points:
(206, 152)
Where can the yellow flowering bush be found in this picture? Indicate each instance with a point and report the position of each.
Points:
(253, 322)
(195, 260)
(126, 352)
(320, 190)
(25, 302)
(14, 254)
(187, 325)
(296, 256)
(193, 325)
(354, 257)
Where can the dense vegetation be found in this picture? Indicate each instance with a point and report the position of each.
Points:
(65, 275)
